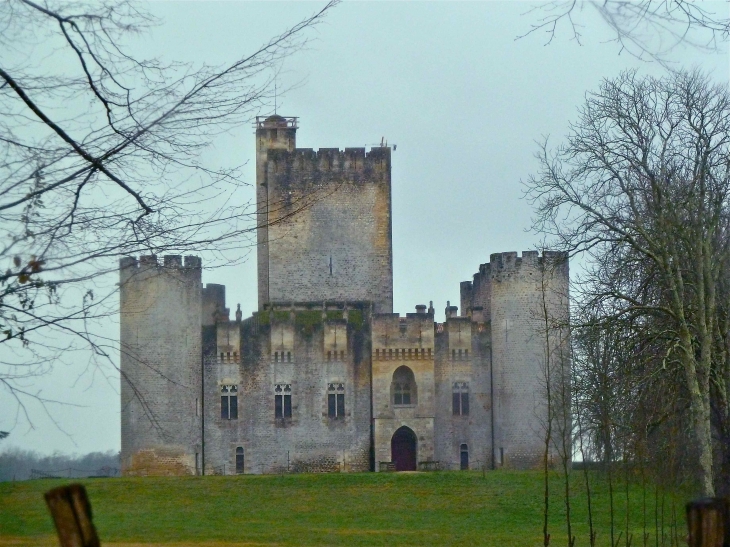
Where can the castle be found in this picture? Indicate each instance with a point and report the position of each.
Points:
(324, 376)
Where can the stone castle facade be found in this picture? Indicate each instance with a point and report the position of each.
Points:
(324, 376)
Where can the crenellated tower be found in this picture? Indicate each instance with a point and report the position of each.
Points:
(524, 300)
(324, 221)
(160, 324)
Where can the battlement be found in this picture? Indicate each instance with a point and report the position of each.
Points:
(501, 264)
(131, 267)
(330, 305)
(307, 160)
(390, 330)
(168, 261)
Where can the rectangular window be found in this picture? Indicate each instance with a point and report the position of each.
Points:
(278, 406)
(287, 406)
(340, 404)
(336, 400)
(282, 401)
(229, 402)
(461, 399)
(402, 393)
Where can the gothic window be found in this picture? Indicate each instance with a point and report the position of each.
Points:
(402, 393)
(461, 399)
(336, 400)
(404, 387)
(282, 401)
(229, 402)
(239, 460)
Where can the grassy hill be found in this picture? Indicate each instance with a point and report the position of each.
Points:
(406, 509)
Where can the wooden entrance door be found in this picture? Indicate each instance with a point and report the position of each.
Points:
(403, 449)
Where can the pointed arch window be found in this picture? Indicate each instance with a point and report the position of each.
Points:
(403, 387)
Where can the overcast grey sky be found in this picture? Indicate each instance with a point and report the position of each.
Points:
(446, 82)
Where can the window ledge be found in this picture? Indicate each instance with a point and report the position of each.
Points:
(405, 406)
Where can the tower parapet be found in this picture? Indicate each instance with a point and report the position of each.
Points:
(504, 265)
(350, 163)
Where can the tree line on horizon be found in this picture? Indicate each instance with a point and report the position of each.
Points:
(17, 464)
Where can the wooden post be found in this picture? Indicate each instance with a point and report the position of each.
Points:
(71, 512)
(708, 521)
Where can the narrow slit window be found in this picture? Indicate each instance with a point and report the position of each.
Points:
(464, 457)
(239, 460)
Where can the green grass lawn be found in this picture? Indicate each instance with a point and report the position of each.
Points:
(425, 509)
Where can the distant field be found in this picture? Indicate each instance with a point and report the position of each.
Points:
(375, 509)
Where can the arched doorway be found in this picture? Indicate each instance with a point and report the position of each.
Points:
(403, 449)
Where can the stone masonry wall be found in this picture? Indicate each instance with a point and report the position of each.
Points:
(329, 233)
(455, 365)
(160, 365)
(287, 347)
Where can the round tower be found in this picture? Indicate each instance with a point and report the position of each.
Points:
(529, 313)
(160, 364)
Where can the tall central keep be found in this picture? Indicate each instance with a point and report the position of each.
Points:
(324, 221)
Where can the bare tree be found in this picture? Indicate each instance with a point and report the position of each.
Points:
(641, 189)
(100, 157)
(646, 29)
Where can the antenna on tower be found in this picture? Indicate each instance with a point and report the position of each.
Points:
(383, 143)
(275, 94)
